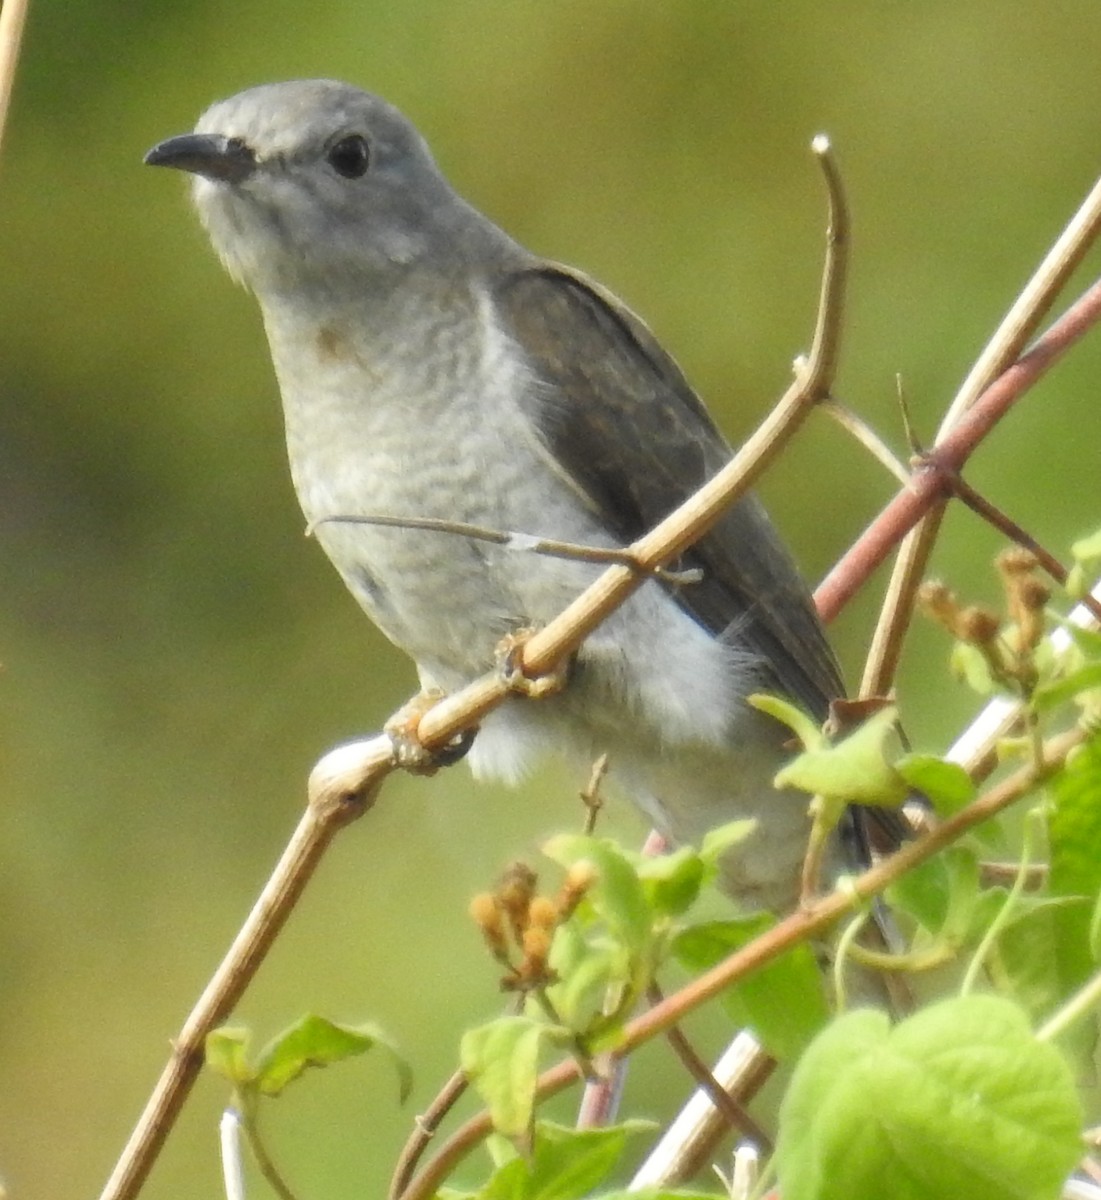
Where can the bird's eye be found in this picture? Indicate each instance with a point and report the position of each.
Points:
(350, 156)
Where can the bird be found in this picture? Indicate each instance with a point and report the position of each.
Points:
(432, 369)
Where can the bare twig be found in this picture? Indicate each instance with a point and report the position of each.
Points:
(13, 16)
(727, 1110)
(687, 524)
(803, 925)
(1001, 521)
(424, 1130)
(327, 813)
(590, 793)
(929, 484)
(861, 431)
(1019, 324)
(514, 540)
(690, 1141)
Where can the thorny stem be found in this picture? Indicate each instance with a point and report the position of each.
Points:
(862, 432)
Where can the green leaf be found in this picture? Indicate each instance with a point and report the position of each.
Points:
(968, 663)
(586, 970)
(617, 895)
(1078, 583)
(783, 1003)
(947, 785)
(856, 770)
(1088, 548)
(1087, 641)
(564, 1163)
(225, 1051)
(501, 1060)
(806, 729)
(315, 1041)
(1027, 961)
(959, 1100)
(1074, 834)
(716, 842)
(1050, 695)
(671, 882)
(943, 894)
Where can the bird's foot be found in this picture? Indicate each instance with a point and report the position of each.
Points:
(410, 753)
(510, 664)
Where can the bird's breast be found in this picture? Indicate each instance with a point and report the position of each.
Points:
(427, 425)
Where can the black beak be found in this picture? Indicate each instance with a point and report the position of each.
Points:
(224, 159)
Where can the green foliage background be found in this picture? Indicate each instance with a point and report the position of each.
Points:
(176, 655)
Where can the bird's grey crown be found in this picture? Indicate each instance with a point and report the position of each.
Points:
(295, 121)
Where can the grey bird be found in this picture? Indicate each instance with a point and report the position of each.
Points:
(431, 367)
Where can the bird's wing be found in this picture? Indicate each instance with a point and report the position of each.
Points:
(621, 423)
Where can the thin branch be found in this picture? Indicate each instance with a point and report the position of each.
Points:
(1010, 339)
(993, 515)
(264, 1161)
(929, 485)
(424, 1131)
(346, 781)
(13, 16)
(513, 540)
(590, 794)
(325, 816)
(803, 925)
(861, 431)
(728, 1111)
(689, 1142)
(602, 1093)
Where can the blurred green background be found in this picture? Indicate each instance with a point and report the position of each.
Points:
(177, 655)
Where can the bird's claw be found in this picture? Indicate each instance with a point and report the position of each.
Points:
(410, 753)
(510, 665)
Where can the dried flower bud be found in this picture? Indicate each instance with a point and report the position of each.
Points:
(514, 894)
(1016, 561)
(579, 878)
(486, 914)
(977, 625)
(939, 602)
(536, 946)
(1035, 593)
(542, 913)
(1032, 595)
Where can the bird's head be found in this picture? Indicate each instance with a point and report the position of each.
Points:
(312, 180)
